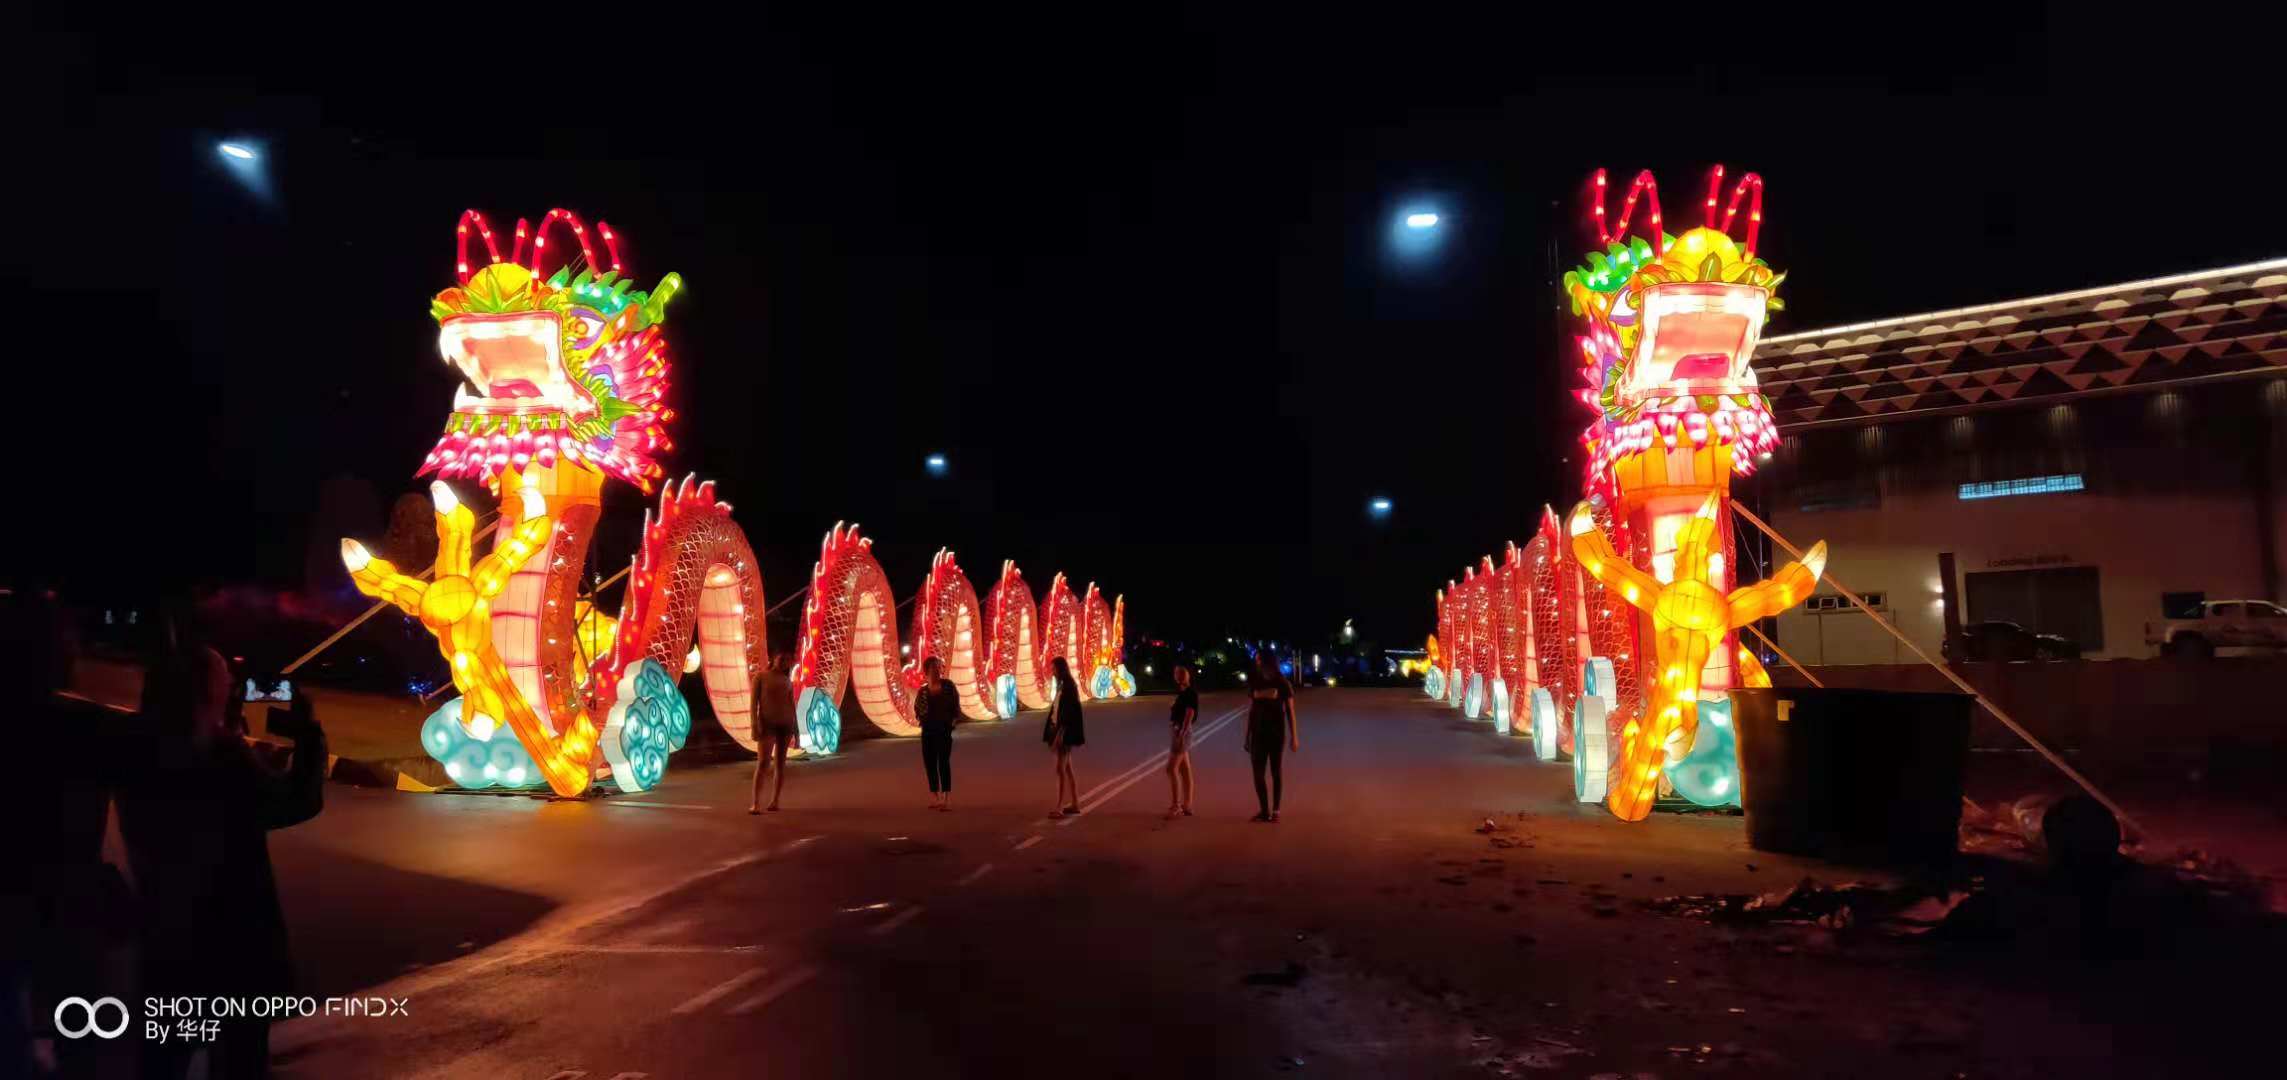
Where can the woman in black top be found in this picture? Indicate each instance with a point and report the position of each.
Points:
(938, 707)
(1065, 732)
(1271, 731)
(1180, 717)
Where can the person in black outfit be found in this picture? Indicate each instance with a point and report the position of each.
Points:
(1065, 733)
(938, 706)
(196, 818)
(1180, 718)
(1271, 731)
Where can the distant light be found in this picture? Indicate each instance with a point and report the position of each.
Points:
(1380, 507)
(935, 462)
(1421, 221)
(238, 150)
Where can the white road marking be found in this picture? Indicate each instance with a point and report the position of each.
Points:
(720, 990)
(1159, 759)
(971, 877)
(1136, 775)
(1029, 841)
(773, 991)
(301, 1032)
(897, 920)
(648, 950)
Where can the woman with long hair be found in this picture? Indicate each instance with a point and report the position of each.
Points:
(939, 707)
(1065, 733)
(1180, 717)
(1271, 732)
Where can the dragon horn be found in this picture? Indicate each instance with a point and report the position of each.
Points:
(461, 243)
(611, 244)
(540, 236)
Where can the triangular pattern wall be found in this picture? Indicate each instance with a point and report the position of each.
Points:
(2230, 322)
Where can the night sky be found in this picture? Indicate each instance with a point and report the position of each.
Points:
(1131, 273)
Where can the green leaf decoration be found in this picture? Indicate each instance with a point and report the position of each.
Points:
(1711, 268)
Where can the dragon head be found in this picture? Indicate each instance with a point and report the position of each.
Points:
(1672, 323)
(571, 367)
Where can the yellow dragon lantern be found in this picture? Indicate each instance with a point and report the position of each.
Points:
(1672, 324)
(565, 376)
(1616, 631)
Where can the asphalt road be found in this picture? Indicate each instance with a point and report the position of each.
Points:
(1372, 932)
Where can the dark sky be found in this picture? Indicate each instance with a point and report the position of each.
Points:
(1129, 272)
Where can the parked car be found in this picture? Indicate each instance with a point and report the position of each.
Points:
(2001, 640)
(2220, 624)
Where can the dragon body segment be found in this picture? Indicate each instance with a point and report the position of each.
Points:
(565, 376)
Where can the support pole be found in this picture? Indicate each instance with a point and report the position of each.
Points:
(2006, 720)
(360, 620)
(1791, 662)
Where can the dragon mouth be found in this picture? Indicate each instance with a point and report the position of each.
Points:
(512, 363)
(1696, 337)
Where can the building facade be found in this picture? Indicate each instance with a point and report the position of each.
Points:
(2085, 462)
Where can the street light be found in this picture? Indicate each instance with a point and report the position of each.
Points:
(1417, 231)
(1379, 507)
(935, 463)
(246, 163)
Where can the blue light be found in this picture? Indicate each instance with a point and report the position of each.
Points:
(2031, 485)
(247, 163)
(1380, 507)
(935, 463)
(1417, 232)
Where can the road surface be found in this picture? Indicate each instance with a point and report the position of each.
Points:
(1373, 932)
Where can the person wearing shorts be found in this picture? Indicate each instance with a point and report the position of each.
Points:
(774, 728)
(1181, 716)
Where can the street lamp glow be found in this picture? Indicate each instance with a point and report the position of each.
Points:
(935, 463)
(237, 150)
(1421, 221)
(1380, 507)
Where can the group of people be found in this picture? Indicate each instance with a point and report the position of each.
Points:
(1271, 732)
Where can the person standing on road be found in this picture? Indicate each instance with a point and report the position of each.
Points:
(1271, 731)
(938, 706)
(196, 818)
(1180, 718)
(774, 728)
(1065, 734)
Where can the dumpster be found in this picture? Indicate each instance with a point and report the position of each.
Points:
(1855, 775)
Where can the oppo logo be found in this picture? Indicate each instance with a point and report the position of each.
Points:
(92, 1012)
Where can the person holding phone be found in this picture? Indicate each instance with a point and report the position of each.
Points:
(196, 816)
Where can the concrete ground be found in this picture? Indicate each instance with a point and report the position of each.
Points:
(1373, 932)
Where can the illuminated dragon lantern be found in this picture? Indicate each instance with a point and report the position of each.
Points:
(1669, 326)
(565, 378)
